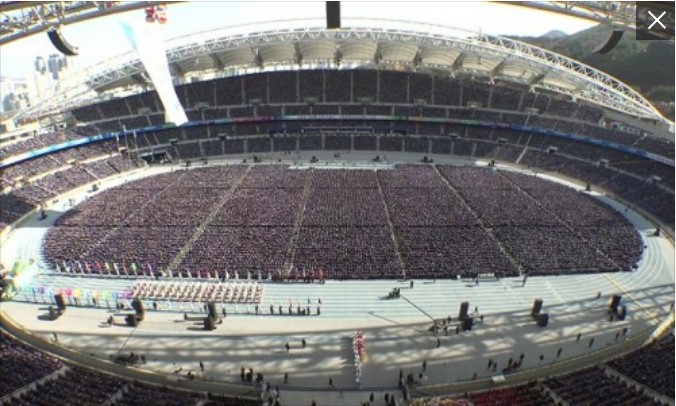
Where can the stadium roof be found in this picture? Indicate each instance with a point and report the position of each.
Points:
(386, 44)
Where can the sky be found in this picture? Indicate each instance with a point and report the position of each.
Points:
(102, 38)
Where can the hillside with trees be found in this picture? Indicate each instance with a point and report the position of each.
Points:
(646, 66)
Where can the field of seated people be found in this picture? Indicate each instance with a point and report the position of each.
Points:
(418, 221)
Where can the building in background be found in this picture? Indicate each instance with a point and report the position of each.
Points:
(13, 94)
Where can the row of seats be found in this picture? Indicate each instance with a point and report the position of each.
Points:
(23, 366)
(343, 87)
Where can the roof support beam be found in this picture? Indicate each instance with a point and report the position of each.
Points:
(498, 68)
(457, 64)
(537, 78)
(338, 56)
(217, 62)
(258, 58)
(178, 71)
(297, 54)
(378, 55)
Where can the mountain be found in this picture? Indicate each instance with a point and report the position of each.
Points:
(553, 34)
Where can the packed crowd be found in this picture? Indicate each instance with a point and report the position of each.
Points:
(362, 252)
(527, 395)
(651, 366)
(444, 252)
(21, 199)
(244, 249)
(640, 193)
(24, 368)
(340, 222)
(22, 364)
(593, 387)
(12, 207)
(77, 385)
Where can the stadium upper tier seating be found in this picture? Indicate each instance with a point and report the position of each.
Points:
(285, 93)
(265, 218)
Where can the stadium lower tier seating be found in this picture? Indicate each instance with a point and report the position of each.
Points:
(25, 197)
(22, 364)
(24, 367)
(526, 395)
(651, 366)
(593, 387)
(26, 373)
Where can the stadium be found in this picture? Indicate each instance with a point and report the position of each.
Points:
(381, 212)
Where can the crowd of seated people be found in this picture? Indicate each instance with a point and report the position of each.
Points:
(77, 385)
(647, 196)
(432, 207)
(25, 144)
(344, 179)
(553, 250)
(12, 207)
(25, 196)
(656, 145)
(55, 160)
(140, 394)
(527, 395)
(22, 364)
(651, 366)
(444, 252)
(68, 177)
(361, 252)
(593, 387)
(239, 249)
(120, 217)
(432, 223)
(344, 207)
(25, 367)
(605, 229)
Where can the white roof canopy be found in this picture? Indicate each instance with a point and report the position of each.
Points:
(306, 44)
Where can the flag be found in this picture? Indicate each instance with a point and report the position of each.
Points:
(87, 268)
(124, 268)
(116, 268)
